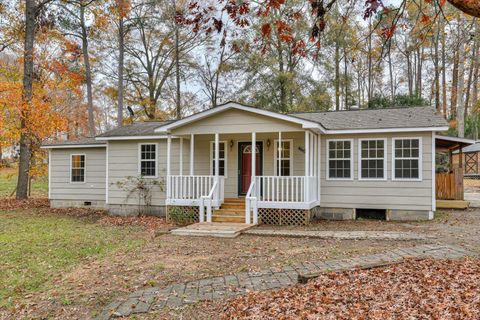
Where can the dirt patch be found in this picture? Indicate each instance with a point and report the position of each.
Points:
(32, 203)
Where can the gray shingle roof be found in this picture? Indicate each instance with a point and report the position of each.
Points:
(74, 142)
(472, 148)
(404, 117)
(136, 129)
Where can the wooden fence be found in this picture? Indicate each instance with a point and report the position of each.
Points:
(449, 186)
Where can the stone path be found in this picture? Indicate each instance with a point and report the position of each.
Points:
(341, 235)
(175, 295)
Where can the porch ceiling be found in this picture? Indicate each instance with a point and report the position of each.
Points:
(445, 143)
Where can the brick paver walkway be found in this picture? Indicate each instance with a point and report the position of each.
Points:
(341, 235)
(240, 283)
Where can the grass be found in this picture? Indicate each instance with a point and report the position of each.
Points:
(8, 182)
(35, 248)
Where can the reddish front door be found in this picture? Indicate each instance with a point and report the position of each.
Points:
(245, 165)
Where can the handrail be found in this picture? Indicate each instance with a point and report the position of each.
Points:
(208, 198)
(251, 201)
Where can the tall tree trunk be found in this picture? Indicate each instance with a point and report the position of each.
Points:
(418, 82)
(444, 74)
(390, 71)
(121, 55)
(454, 90)
(471, 69)
(345, 74)
(437, 71)
(25, 141)
(178, 102)
(337, 76)
(369, 94)
(461, 87)
(88, 71)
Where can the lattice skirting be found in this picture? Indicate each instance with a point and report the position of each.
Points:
(295, 217)
(183, 214)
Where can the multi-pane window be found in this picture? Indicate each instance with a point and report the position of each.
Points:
(222, 158)
(148, 160)
(339, 159)
(406, 158)
(77, 168)
(372, 159)
(283, 158)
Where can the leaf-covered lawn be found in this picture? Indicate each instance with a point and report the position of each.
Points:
(8, 182)
(36, 247)
(427, 289)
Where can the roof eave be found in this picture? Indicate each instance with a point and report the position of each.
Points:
(386, 130)
(73, 146)
(131, 138)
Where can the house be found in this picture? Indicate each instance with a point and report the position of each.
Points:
(272, 168)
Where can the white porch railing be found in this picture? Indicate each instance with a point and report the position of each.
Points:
(292, 192)
(188, 190)
(251, 202)
(287, 189)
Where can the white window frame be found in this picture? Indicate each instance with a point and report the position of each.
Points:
(212, 144)
(290, 157)
(352, 148)
(420, 159)
(84, 169)
(385, 149)
(140, 159)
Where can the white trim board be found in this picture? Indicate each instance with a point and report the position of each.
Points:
(387, 130)
(134, 138)
(75, 146)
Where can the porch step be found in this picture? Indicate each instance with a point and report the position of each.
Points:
(234, 200)
(233, 205)
(223, 218)
(229, 212)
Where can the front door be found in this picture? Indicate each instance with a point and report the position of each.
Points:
(245, 164)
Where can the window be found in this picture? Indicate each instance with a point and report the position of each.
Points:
(407, 163)
(148, 160)
(77, 165)
(373, 161)
(340, 159)
(283, 161)
(222, 163)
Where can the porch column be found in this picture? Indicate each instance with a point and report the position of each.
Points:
(180, 161)
(307, 166)
(254, 154)
(252, 180)
(217, 162)
(192, 148)
(279, 155)
(169, 147)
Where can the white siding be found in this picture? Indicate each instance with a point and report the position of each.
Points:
(94, 187)
(407, 195)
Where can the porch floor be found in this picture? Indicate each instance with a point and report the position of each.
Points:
(213, 229)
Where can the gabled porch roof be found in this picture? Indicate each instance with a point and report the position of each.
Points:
(306, 124)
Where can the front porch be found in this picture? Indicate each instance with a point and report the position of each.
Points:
(278, 181)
